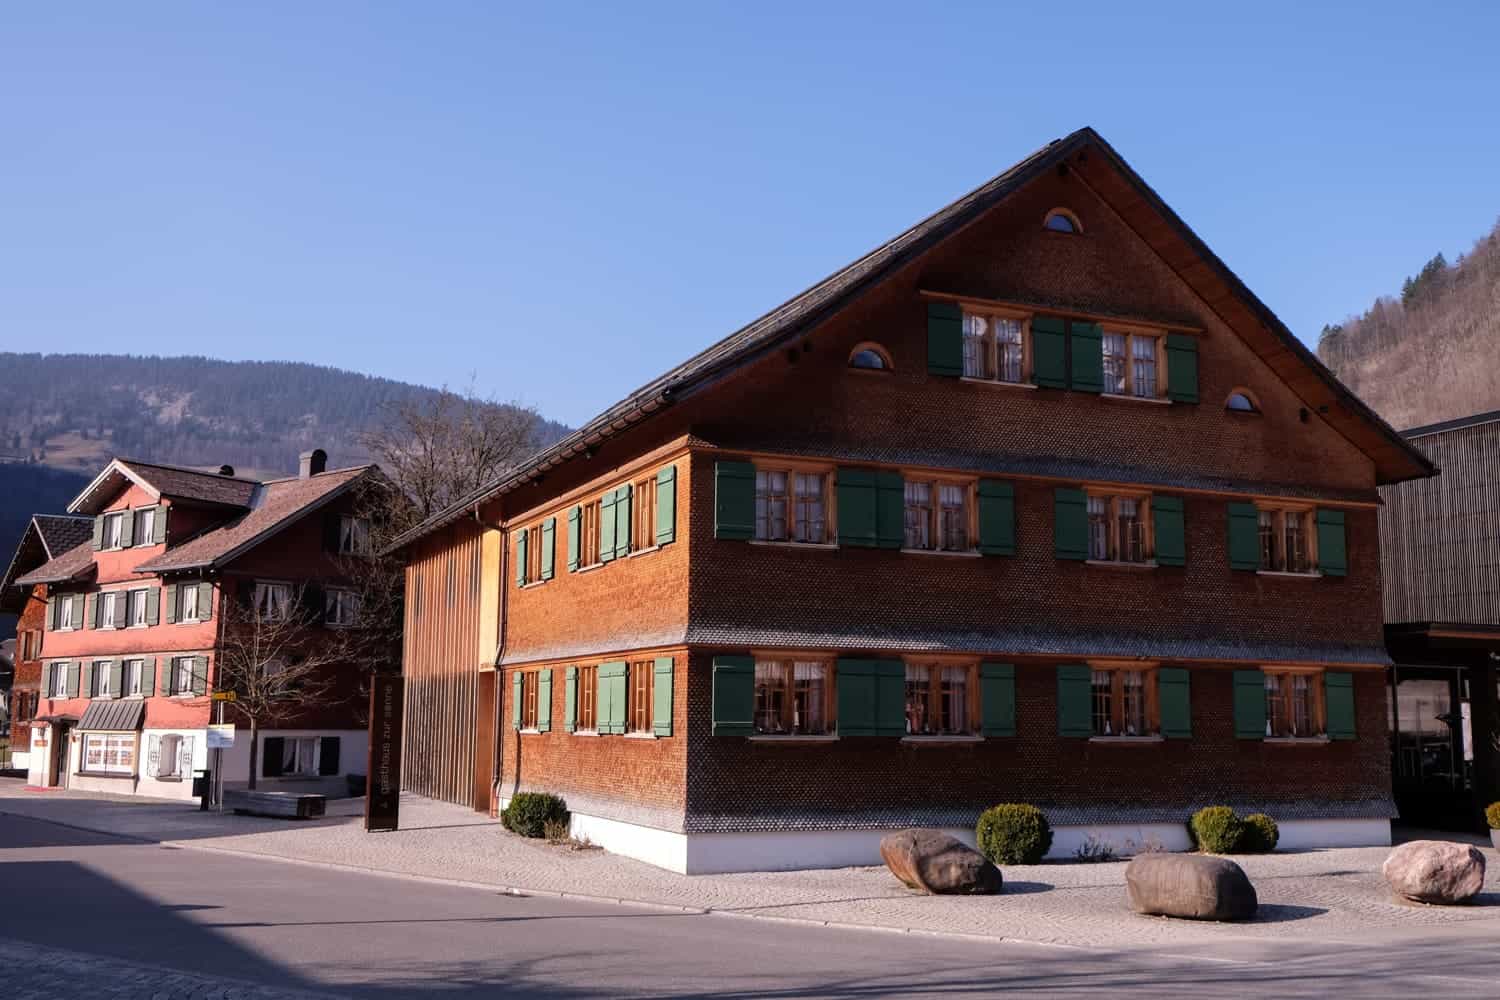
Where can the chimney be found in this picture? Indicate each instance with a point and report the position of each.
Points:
(313, 463)
(226, 470)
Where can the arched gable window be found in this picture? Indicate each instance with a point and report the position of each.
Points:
(1060, 220)
(1240, 401)
(870, 357)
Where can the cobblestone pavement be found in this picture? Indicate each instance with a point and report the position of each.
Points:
(36, 973)
(1330, 896)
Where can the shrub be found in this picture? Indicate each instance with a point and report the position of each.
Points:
(529, 813)
(1013, 834)
(1492, 815)
(1216, 829)
(1095, 851)
(1259, 835)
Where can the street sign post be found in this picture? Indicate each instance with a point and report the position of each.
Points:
(221, 736)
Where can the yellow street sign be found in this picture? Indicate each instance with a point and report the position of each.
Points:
(222, 696)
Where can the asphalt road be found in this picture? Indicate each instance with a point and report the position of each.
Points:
(91, 915)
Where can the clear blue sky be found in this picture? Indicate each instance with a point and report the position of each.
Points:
(565, 202)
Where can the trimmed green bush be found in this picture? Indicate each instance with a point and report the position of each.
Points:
(1013, 834)
(1216, 830)
(1492, 815)
(1259, 835)
(529, 813)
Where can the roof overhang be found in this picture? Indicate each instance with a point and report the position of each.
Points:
(114, 477)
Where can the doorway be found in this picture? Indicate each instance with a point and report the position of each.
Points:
(62, 734)
(1432, 747)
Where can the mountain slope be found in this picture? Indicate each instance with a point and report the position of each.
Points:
(1433, 353)
(75, 410)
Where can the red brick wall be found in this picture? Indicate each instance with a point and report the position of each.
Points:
(28, 673)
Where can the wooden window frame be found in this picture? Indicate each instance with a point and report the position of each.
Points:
(586, 701)
(114, 527)
(532, 571)
(1131, 333)
(640, 700)
(101, 619)
(1249, 397)
(1066, 213)
(643, 515)
(1317, 703)
(1151, 692)
(1307, 515)
(791, 469)
(935, 484)
(589, 515)
(531, 683)
(1112, 498)
(887, 365)
(261, 587)
(787, 662)
(974, 698)
(990, 361)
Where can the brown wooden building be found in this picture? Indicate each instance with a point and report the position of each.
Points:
(1440, 545)
(1035, 502)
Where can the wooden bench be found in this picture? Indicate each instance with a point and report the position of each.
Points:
(287, 805)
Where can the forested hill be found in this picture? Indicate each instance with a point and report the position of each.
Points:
(75, 410)
(1431, 353)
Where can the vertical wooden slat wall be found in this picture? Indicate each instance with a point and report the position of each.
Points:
(1440, 537)
(439, 660)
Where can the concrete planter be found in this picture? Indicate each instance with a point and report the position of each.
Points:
(1495, 839)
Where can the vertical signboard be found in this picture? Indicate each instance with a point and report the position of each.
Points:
(383, 794)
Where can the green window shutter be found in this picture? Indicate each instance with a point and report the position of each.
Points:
(607, 527)
(200, 675)
(734, 500)
(98, 532)
(1171, 537)
(91, 611)
(86, 680)
(52, 613)
(575, 526)
(945, 339)
(890, 510)
(1174, 703)
(127, 530)
(122, 602)
(611, 708)
(549, 548)
(153, 605)
(666, 505)
(734, 696)
(570, 699)
(73, 671)
(171, 603)
(1087, 348)
(622, 521)
(890, 698)
(1070, 523)
(148, 676)
(1338, 702)
(997, 518)
(1333, 553)
(1182, 368)
(544, 700)
(116, 677)
(997, 699)
(857, 505)
(1244, 536)
(1249, 705)
(521, 543)
(857, 688)
(516, 683)
(78, 605)
(661, 697)
(1049, 352)
(206, 601)
(1075, 715)
(159, 533)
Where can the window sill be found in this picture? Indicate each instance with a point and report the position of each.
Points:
(790, 738)
(820, 546)
(997, 383)
(641, 736)
(964, 554)
(941, 740)
(1292, 741)
(104, 774)
(1117, 564)
(584, 732)
(534, 584)
(1313, 575)
(174, 778)
(1127, 739)
(589, 568)
(1149, 400)
(643, 552)
(530, 732)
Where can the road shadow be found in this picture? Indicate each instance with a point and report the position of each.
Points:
(1280, 913)
(1026, 888)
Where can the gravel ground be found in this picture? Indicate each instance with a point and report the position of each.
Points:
(1334, 895)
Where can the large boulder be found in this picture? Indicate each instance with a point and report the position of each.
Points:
(1189, 886)
(1435, 871)
(934, 862)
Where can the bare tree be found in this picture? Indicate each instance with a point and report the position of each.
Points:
(279, 660)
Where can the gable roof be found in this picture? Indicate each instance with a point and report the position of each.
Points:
(47, 536)
(75, 564)
(276, 505)
(173, 481)
(1113, 180)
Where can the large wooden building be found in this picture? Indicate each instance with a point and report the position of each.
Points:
(1035, 502)
(1440, 544)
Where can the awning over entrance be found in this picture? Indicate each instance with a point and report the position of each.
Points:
(46, 720)
(113, 716)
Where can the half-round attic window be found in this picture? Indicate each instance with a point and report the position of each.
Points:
(1240, 402)
(1060, 220)
(870, 357)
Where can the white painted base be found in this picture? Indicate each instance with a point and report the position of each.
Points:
(716, 853)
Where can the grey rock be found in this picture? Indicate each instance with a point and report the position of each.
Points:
(1190, 886)
(1435, 871)
(936, 863)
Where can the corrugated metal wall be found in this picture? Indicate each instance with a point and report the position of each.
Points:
(1440, 537)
